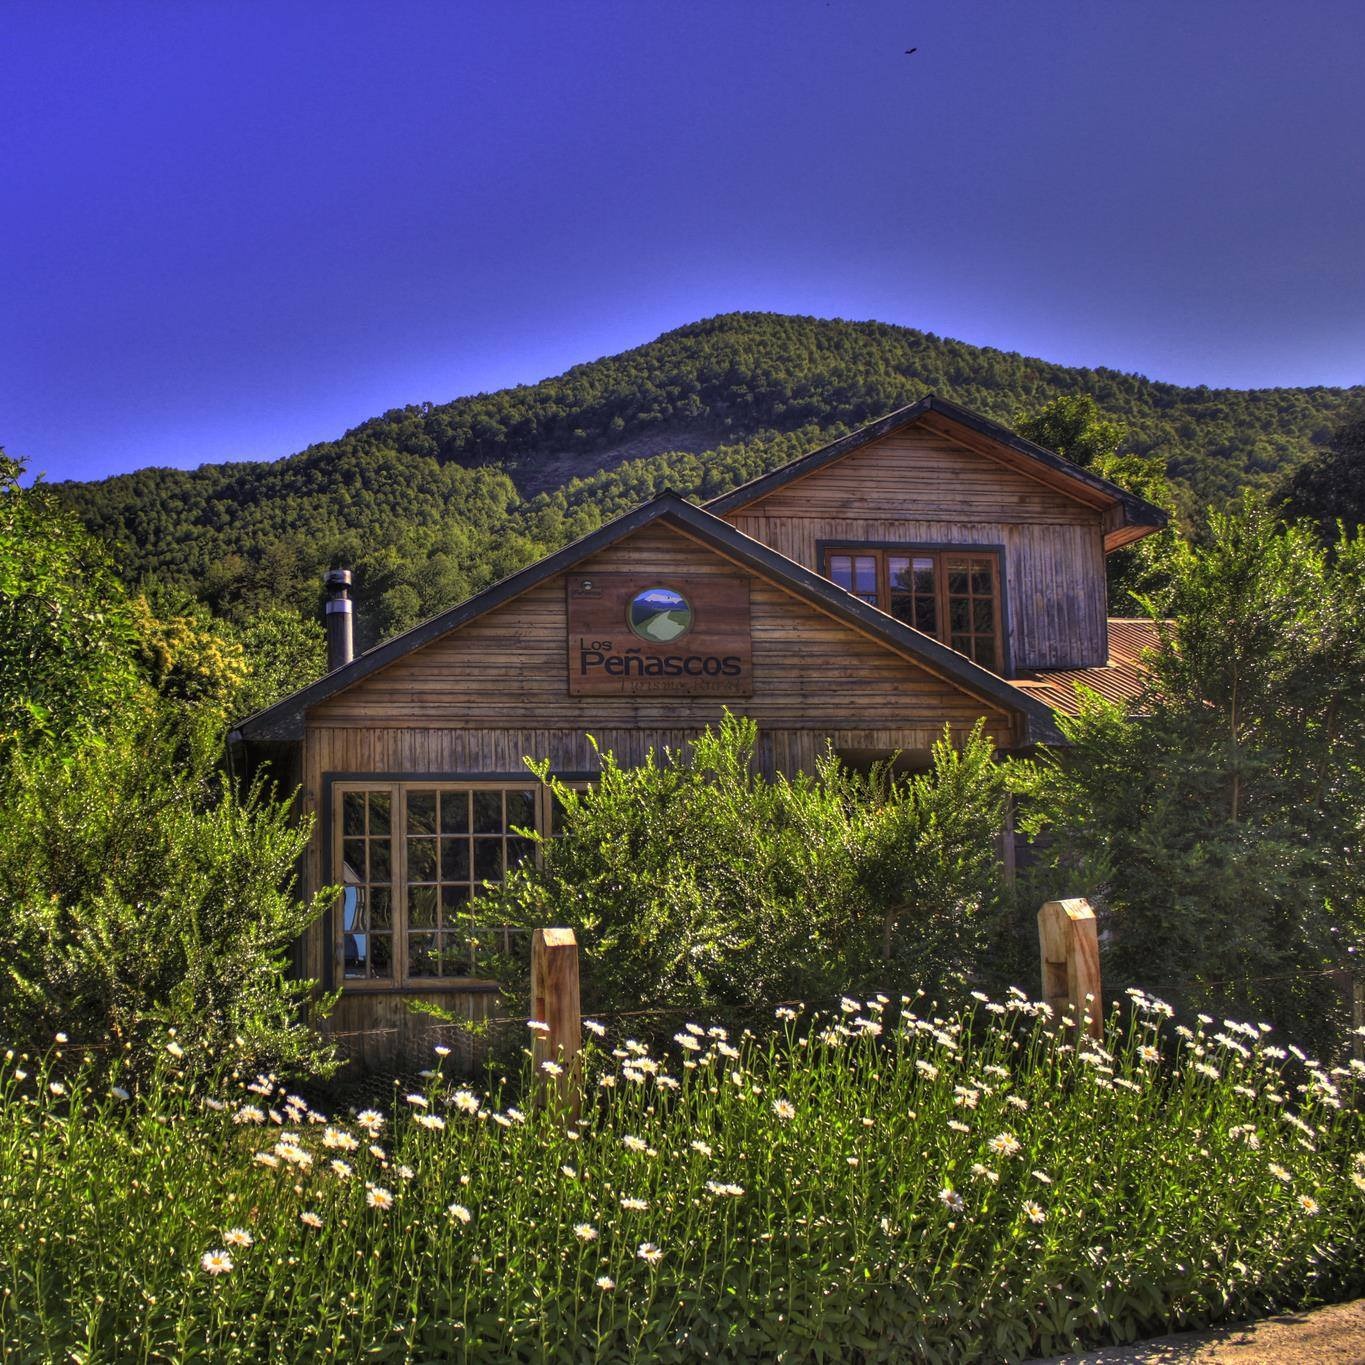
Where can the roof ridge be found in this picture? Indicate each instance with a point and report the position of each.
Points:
(1137, 511)
(284, 718)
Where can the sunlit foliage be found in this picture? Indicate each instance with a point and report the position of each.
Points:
(880, 1180)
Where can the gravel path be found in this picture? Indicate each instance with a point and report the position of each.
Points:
(1334, 1334)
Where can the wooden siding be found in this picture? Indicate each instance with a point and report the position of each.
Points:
(506, 674)
(376, 1029)
(480, 699)
(477, 701)
(919, 487)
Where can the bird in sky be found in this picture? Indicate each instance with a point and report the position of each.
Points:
(910, 50)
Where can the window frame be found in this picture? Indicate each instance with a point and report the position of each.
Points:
(398, 785)
(939, 550)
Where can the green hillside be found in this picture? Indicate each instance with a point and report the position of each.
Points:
(431, 502)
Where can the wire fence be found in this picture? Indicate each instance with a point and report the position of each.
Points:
(495, 1044)
(396, 1059)
(478, 1037)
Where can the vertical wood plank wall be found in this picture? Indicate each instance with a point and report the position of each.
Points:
(918, 487)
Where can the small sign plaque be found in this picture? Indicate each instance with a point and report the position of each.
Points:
(632, 635)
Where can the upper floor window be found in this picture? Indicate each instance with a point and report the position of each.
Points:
(953, 595)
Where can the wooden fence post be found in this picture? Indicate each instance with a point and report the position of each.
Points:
(555, 1003)
(1068, 941)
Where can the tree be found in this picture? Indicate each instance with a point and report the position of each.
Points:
(65, 628)
(188, 654)
(1329, 490)
(139, 893)
(1221, 818)
(283, 652)
(138, 890)
(1074, 427)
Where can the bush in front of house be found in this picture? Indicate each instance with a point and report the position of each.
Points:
(692, 880)
(139, 891)
(875, 1184)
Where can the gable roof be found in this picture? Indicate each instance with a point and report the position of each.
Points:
(1127, 517)
(285, 719)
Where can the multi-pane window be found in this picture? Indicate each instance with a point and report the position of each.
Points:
(367, 899)
(413, 858)
(950, 594)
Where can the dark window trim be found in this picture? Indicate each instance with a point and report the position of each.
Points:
(823, 547)
(328, 828)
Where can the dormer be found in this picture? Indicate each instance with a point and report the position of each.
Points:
(957, 527)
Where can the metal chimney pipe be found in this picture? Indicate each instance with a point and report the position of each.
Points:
(340, 637)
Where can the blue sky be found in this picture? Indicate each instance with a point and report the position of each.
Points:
(229, 230)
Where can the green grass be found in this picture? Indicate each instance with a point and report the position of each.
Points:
(870, 1185)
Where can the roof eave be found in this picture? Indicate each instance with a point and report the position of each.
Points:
(285, 720)
(1126, 529)
(1086, 485)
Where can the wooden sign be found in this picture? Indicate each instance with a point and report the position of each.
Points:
(630, 635)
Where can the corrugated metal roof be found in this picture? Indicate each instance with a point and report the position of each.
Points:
(1119, 680)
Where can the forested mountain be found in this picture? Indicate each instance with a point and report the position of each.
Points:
(431, 502)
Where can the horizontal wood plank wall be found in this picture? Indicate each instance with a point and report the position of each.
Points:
(918, 487)
(486, 696)
(375, 1029)
(501, 682)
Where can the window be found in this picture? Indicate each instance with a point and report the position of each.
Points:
(953, 595)
(412, 858)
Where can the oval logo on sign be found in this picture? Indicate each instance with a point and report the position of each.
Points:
(659, 615)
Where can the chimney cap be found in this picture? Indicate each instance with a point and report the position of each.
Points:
(337, 578)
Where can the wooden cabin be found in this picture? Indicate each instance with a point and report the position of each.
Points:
(932, 569)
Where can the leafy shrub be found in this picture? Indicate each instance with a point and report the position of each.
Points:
(694, 880)
(137, 891)
(877, 1186)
